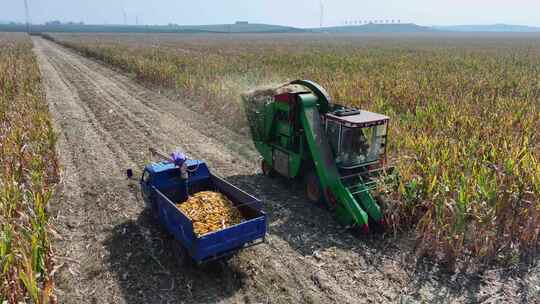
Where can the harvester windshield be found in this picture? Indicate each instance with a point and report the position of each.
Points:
(356, 145)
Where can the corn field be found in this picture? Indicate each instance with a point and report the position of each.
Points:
(465, 116)
(28, 173)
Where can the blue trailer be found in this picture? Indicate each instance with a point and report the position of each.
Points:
(163, 186)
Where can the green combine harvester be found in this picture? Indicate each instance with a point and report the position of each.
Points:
(339, 152)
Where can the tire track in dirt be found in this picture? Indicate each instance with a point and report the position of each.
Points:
(100, 215)
(112, 252)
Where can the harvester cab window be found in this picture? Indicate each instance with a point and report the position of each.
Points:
(353, 149)
(378, 144)
(332, 130)
(361, 145)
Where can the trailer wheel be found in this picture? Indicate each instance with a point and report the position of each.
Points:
(313, 188)
(181, 255)
(155, 212)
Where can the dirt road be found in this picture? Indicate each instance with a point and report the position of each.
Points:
(109, 251)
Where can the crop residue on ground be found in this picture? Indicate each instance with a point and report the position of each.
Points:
(464, 115)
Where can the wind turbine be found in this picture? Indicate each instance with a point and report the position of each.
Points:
(124, 14)
(27, 13)
(322, 15)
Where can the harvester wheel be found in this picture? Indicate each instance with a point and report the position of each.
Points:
(313, 187)
(377, 226)
(267, 169)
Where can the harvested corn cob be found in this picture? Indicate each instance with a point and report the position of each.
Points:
(210, 211)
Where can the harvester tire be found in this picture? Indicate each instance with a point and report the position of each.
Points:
(267, 169)
(313, 189)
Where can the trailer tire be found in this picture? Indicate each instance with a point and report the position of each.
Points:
(313, 188)
(181, 255)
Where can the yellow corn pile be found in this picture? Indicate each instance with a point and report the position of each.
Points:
(210, 211)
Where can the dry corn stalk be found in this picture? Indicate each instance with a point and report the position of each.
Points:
(210, 211)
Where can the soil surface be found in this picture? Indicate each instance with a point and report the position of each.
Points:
(109, 250)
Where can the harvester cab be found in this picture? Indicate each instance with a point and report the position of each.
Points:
(339, 152)
(357, 138)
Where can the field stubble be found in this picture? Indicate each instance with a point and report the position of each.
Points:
(465, 115)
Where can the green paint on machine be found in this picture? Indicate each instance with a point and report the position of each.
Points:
(340, 152)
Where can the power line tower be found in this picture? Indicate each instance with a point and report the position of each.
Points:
(27, 13)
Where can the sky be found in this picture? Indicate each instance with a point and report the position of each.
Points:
(299, 13)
